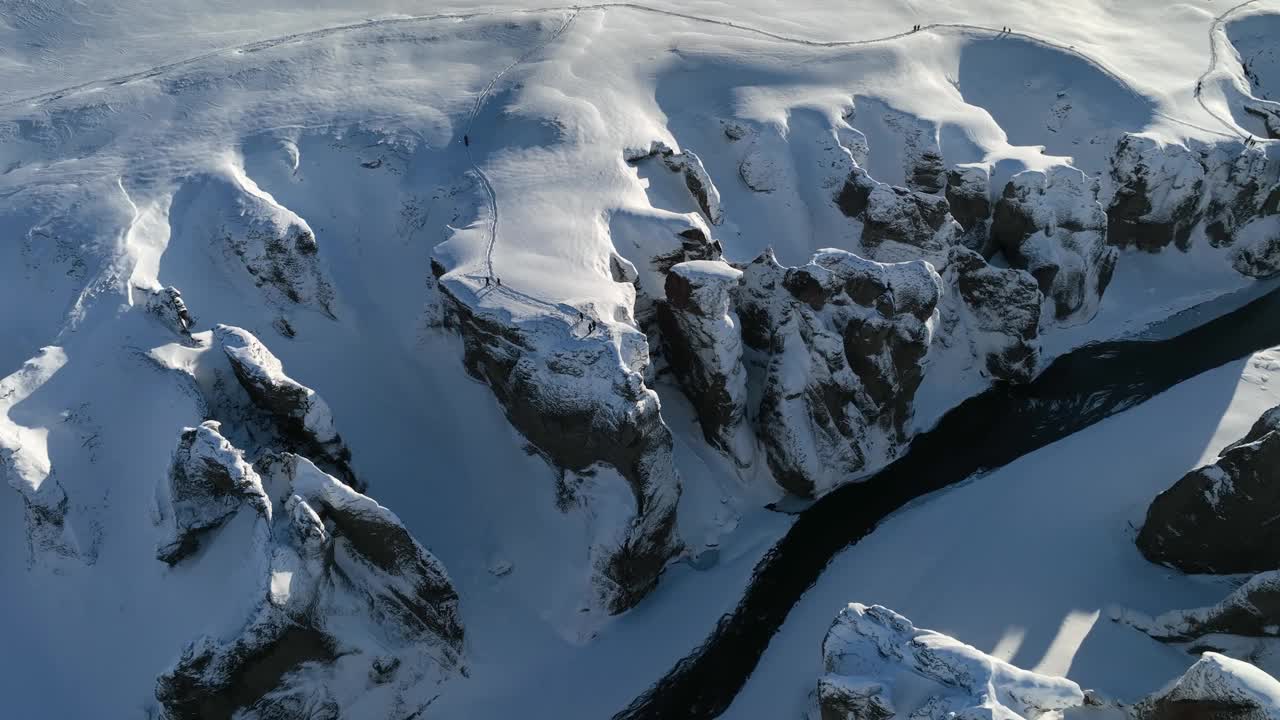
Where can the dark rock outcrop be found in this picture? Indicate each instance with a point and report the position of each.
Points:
(347, 592)
(1052, 225)
(1251, 610)
(702, 336)
(1001, 308)
(845, 340)
(969, 198)
(581, 400)
(168, 306)
(1257, 253)
(1157, 194)
(1219, 518)
(893, 217)
(208, 481)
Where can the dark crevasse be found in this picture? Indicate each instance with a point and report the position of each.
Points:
(985, 432)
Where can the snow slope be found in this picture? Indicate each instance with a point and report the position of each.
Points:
(149, 144)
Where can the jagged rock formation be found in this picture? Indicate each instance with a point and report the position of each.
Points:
(167, 305)
(1251, 610)
(898, 223)
(1257, 253)
(1052, 225)
(1216, 687)
(969, 198)
(209, 480)
(696, 178)
(871, 652)
(1001, 309)
(273, 245)
(703, 339)
(347, 593)
(1219, 518)
(582, 401)
(26, 467)
(300, 415)
(1157, 194)
(1243, 185)
(651, 242)
(845, 340)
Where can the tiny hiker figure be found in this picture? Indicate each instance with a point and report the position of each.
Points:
(486, 281)
(498, 280)
(466, 140)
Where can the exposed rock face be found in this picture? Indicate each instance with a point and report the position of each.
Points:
(1219, 518)
(653, 241)
(1219, 688)
(846, 340)
(276, 247)
(868, 651)
(582, 401)
(1251, 610)
(1052, 225)
(703, 339)
(1157, 194)
(1257, 252)
(347, 593)
(969, 197)
(208, 482)
(301, 416)
(167, 305)
(898, 223)
(1243, 184)
(1001, 308)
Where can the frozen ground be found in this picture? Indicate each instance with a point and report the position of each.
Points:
(135, 135)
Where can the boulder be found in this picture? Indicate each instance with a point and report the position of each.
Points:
(845, 340)
(1001, 309)
(703, 339)
(1219, 518)
(348, 595)
(879, 665)
(1215, 688)
(207, 483)
(1157, 191)
(1052, 225)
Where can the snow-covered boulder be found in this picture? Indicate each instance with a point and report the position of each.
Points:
(1052, 225)
(1157, 191)
(301, 416)
(898, 223)
(356, 619)
(168, 306)
(271, 244)
(702, 336)
(1216, 687)
(577, 393)
(1251, 610)
(844, 339)
(1220, 518)
(879, 665)
(1000, 307)
(208, 481)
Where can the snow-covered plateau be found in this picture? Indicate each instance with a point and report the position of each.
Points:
(402, 360)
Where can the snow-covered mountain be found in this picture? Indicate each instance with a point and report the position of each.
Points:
(463, 361)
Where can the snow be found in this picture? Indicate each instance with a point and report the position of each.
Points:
(1024, 562)
(135, 137)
